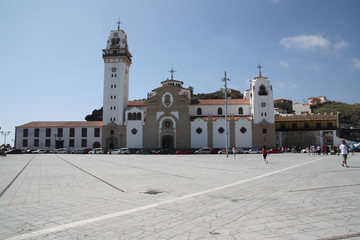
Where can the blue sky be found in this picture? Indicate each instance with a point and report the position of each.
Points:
(50, 51)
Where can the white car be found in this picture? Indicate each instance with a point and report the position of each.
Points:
(124, 151)
(61, 151)
(204, 150)
(96, 151)
(253, 150)
(114, 151)
(39, 151)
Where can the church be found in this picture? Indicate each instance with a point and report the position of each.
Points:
(169, 118)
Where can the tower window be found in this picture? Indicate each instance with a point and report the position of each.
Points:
(263, 104)
(199, 111)
(167, 124)
(240, 111)
(219, 111)
(262, 91)
(264, 130)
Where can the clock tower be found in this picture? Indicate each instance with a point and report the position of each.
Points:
(117, 61)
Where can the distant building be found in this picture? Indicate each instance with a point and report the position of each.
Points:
(301, 109)
(317, 100)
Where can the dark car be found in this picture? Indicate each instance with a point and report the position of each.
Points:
(215, 150)
(164, 151)
(14, 151)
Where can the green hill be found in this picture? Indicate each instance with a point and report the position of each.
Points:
(349, 113)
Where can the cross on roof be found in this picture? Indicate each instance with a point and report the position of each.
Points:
(172, 73)
(259, 67)
(118, 23)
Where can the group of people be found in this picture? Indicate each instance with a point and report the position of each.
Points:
(343, 148)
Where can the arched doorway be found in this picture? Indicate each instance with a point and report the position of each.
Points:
(111, 143)
(167, 141)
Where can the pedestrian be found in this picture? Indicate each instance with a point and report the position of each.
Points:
(265, 152)
(234, 151)
(344, 148)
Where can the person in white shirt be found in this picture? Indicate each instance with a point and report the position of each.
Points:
(344, 148)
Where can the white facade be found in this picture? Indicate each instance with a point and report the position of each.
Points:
(243, 133)
(117, 61)
(199, 133)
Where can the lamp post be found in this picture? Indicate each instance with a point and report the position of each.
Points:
(225, 79)
(5, 134)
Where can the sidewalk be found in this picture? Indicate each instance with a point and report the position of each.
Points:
(295, 196)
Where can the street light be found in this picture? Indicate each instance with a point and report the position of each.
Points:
(225, 79)
(5, 134)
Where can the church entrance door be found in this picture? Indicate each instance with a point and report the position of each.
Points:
(167, 142)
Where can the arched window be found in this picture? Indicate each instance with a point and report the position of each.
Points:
(219, 111)
(129, 116)
(262, 90)
(199, 111)
(241, 110)
(134, 116)
(138, 116)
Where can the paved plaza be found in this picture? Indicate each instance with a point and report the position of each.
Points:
(294, 196)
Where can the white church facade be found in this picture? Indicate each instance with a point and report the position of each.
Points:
(168, 118)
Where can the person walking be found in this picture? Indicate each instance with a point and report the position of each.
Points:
(265, 153)
(344, 148)
(234, 151)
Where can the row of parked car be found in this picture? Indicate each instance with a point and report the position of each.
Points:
(204, 150)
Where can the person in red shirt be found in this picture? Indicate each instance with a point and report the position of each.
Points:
(264, 152)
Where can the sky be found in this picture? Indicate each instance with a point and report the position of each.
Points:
(51, 66)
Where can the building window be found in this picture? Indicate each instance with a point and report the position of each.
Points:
(199, 111)
(36, 142)
(243, 130)
(167, 124)
(294, 125)
(262, 91)
(37, 132)
(263, 104)
(25, 133)
(83, 143)
(221, 130)
(241, 111)
(47, 143)
(96, 132)
(129, 116)
(112, 132)
(330, 125)
(60, 132)
(306, 125)
(48, 132)
(264, 130)
(318, 125)
(198, 130)
(134, 131)
(134, 116)
(72, 132)
(25, 142)
(113, 69)
(282, 126)
(84, 132)
(71, 143)
(219, 111)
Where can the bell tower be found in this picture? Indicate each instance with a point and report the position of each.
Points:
(117, 59)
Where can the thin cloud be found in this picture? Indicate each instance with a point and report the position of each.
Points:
(355, 63)
(341, 45)
(305, 42)
(286, 85)
(315, 67)
(284, 64)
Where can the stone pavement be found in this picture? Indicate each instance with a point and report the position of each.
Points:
(295, 196)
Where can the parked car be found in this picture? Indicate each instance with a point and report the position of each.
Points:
(205, 150)
(114, 151)
(96, 151)
(183, 152)
(142, 151)
(60, 151)
(86, 150)
(77, 151)
(2, 152)
(215, 150)
(39, 151)
(13, 151)
(253, 150)
(238, 151)
(124, 151)
(164, 151)
(275, 150)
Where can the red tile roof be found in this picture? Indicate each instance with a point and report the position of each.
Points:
(137, 103)
(219, 101)
(214, 118)
(62, 124)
